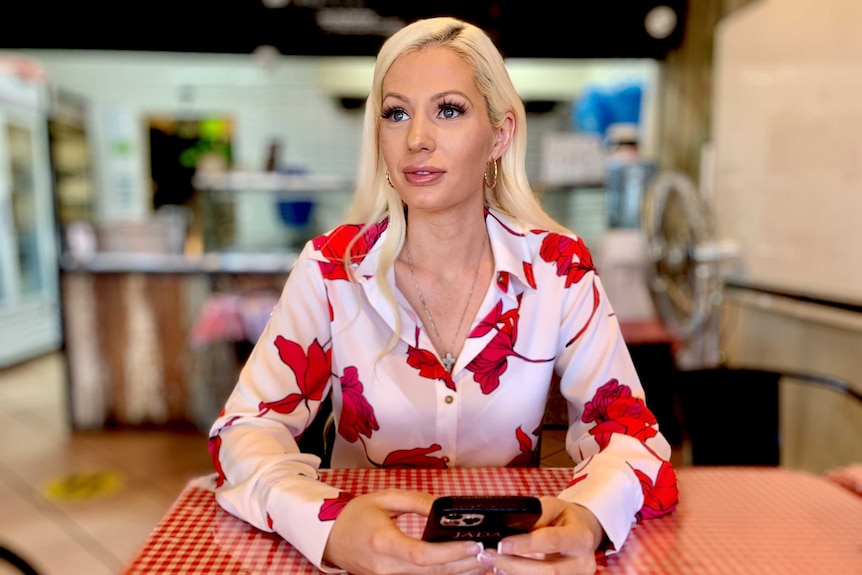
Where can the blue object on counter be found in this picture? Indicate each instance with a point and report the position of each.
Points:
(591, 113)
(295, 213)
(599, 107)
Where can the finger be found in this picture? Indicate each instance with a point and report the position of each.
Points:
(423, 553)
(398, 501)
(468, 566)
(563, 564)
(464, 566)
(552, 509)
(549, 540)
(391, 551)
(565, 528)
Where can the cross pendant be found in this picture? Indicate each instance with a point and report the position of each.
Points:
(448, 362)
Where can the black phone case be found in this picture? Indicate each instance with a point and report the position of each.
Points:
(484, 518)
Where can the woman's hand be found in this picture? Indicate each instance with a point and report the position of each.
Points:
(366, 541)
(565, 540)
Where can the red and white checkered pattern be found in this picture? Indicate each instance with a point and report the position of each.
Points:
(729, 521)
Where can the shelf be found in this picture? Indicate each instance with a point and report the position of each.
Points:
(270, 182)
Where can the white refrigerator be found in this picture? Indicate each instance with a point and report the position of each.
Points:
(29, 292)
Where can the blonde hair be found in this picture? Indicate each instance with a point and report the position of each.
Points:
(374, 199)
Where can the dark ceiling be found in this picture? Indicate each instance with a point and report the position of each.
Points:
(539, 29)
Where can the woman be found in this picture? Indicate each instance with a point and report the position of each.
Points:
(438, 318)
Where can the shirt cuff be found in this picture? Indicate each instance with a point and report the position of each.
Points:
(611, 497)
(296, 516)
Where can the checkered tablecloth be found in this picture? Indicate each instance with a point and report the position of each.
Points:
(729, 521)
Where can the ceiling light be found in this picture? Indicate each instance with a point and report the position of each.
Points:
(660, 22)
(275, 3)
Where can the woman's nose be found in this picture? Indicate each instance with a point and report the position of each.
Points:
(420, 136)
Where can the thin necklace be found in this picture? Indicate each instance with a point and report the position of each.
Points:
(448, 358)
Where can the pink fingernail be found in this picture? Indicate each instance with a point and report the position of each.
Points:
(486, 557)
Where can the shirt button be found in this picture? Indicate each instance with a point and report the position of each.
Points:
(500, 278)
(449, 399)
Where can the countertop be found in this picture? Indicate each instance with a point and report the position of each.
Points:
(214, 262)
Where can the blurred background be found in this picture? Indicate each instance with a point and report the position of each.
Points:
(161, 165)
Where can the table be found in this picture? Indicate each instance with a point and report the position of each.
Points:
(729, 520)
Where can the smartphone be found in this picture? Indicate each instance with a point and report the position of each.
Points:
(484, 518)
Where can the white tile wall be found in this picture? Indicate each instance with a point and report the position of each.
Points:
(289, 99)
(282, 101)
(788, 187)
(787, 122)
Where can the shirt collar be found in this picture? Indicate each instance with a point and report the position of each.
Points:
(509, 243)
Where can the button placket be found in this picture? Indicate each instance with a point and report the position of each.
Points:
(447, 421)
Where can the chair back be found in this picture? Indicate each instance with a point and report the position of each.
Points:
(319, 436)
(15, 560)
(731, 415)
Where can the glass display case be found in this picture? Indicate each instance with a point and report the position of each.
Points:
(29, 301)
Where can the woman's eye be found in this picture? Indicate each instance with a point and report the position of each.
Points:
(449, 111)
(395, 114)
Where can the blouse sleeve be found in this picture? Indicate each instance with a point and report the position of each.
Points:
(262, 477)
(623, 472)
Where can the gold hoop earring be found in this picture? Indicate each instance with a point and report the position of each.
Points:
(388, 181)
(485, 177)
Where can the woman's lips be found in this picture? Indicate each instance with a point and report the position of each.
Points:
(422, 176)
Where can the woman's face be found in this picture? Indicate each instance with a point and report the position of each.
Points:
(435, 134)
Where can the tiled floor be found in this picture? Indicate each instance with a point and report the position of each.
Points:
(97, 535)
(93, 536)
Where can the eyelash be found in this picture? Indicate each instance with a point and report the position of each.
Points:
(446, 105)
(387, 113)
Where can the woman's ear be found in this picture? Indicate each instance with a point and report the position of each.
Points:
(504, 136)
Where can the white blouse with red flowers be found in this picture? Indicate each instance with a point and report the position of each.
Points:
(545, 313)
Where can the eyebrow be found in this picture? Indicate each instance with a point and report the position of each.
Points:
(438, 96)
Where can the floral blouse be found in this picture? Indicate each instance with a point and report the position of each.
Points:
(545, 318)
